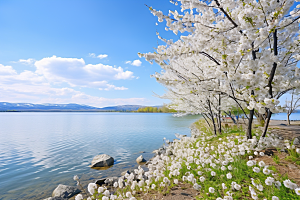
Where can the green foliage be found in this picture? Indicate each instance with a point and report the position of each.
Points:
(149, 109)
(293, 156)
(276, 159)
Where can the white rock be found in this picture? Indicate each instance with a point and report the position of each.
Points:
(140, 159)
(65, 191)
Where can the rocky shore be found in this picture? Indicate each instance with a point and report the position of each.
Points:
(150, 180)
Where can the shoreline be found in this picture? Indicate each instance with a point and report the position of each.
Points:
(159, 152)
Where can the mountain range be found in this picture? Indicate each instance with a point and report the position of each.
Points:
(47, 107)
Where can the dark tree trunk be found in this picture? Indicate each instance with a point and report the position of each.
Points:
(212, 117)
(229, 115)
(219, 115)
(250, 121)
(205, 117)
(288, 119)
(270, 83)
(249, 129)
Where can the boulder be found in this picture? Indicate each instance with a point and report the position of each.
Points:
(296, 141)
(100, 181)
(107, 181)
(102, 160)
(110, 181)
(140, 159)
(65, 191)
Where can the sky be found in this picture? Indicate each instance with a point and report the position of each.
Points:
(79, 51)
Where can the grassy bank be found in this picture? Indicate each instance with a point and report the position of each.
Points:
(226, 166)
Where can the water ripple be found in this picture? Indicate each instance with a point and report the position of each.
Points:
(38, 151)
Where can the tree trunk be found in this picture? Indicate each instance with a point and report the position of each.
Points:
(229, 115)
(288, 118)
(214, 124)
(249, 129)
(212, 117)
(219, 115)
(206, 119)
(272, 74)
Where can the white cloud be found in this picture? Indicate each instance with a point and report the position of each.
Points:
(93, 55)
(112, 87)
(101, 56)
(134, 63)
(42, 85)
(29, 61)
(75, 72)
(7, 70)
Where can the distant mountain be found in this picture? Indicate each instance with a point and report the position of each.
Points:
(5, 106)
(122, 108)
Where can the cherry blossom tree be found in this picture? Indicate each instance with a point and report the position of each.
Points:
(243, 50)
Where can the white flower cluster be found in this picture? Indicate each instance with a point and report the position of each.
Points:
(215, 57)
(199, 161)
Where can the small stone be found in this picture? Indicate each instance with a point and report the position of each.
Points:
(142, 152)
(296, 141)
(65, 191)
(100, 181)
(140, 159)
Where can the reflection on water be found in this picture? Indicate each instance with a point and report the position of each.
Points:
(38, 151)
(102, 168)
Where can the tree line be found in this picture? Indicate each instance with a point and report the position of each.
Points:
(149, 109)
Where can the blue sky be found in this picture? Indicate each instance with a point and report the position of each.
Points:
(79, 51)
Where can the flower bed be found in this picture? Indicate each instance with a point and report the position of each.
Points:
(218, 167)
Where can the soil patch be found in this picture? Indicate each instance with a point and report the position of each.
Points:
(283, 166)
(183, 191)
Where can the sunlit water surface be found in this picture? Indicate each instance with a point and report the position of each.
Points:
(38, 151)
(283, 116)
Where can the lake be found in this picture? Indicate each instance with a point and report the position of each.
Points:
(40, 150)
(283, 116)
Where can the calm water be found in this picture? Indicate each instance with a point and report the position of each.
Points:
(38, 151)
(283, 116)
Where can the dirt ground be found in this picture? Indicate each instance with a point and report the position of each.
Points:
(283, 167)
(183, 191)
